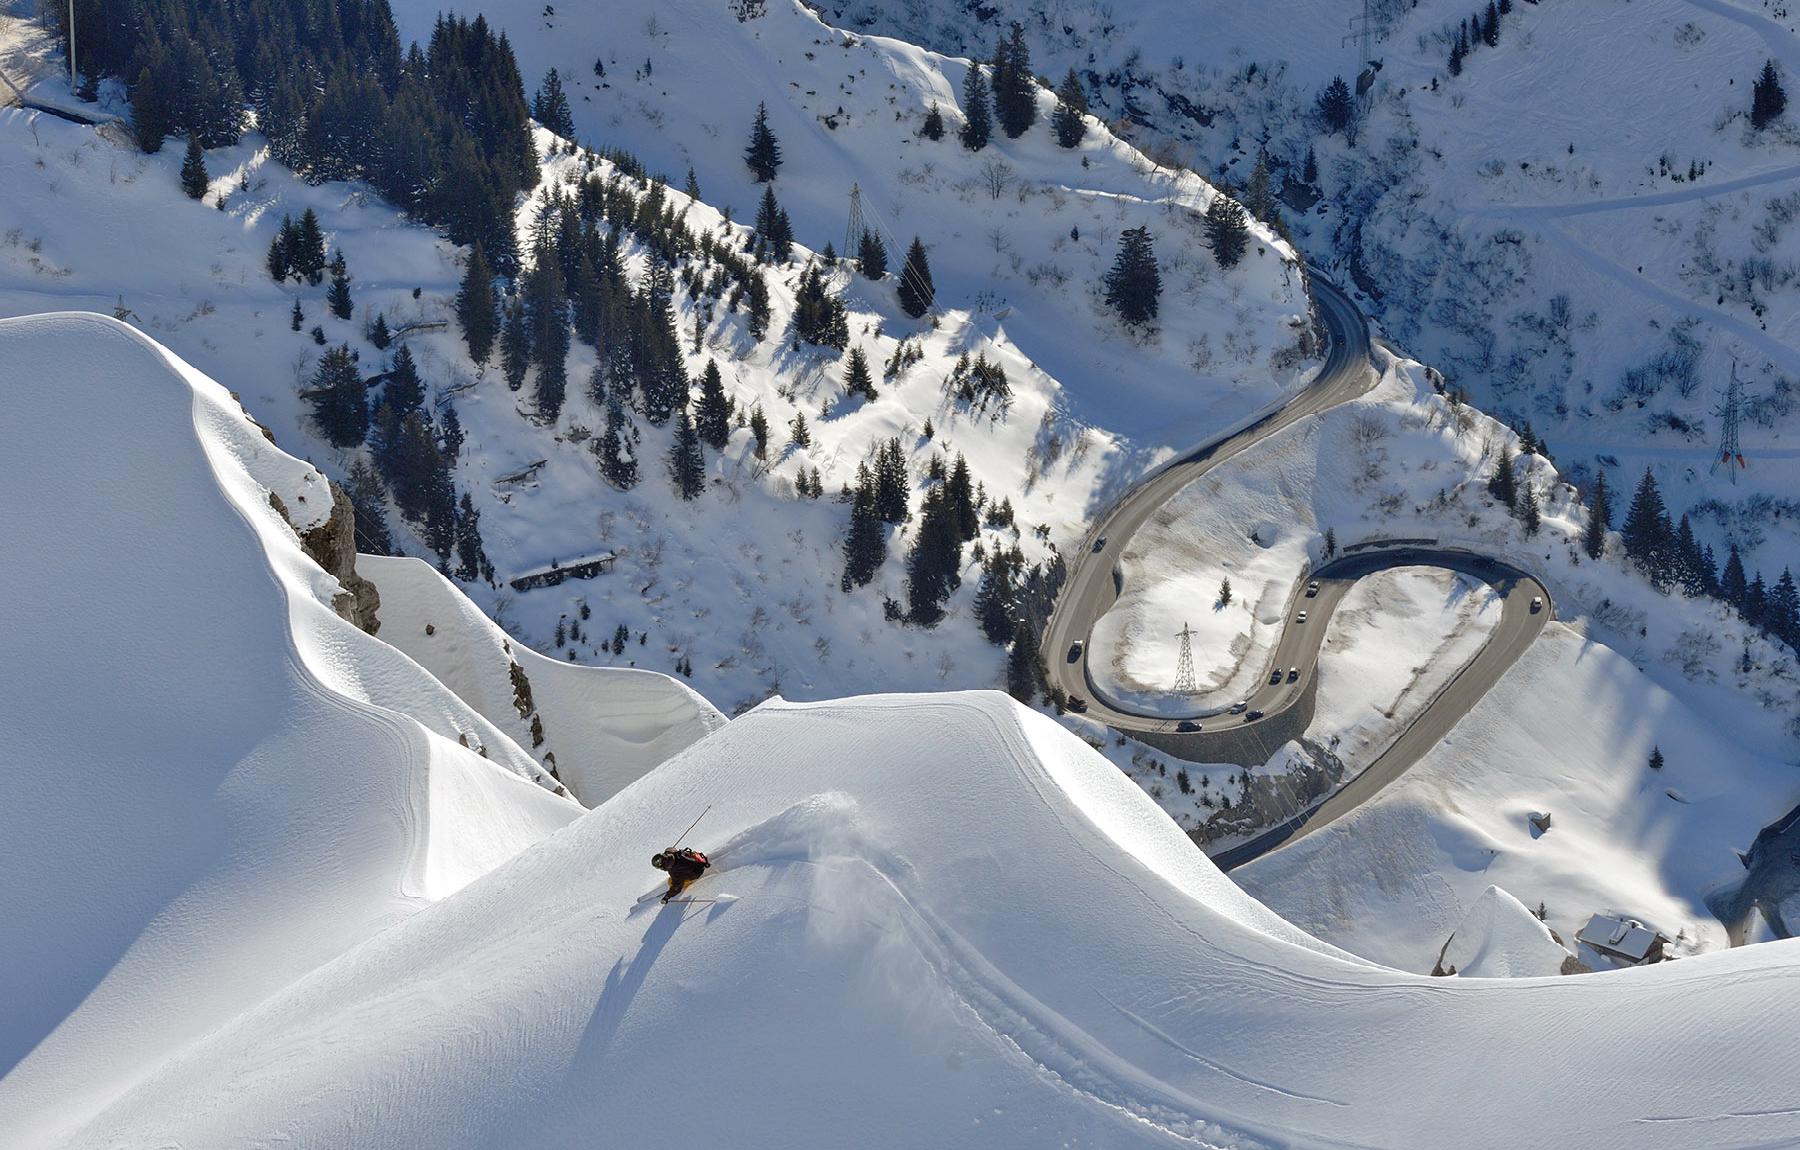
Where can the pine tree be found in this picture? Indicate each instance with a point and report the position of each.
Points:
(933, 127)
(691, 188)
(1134, 285)
(1656, 758)
(472, 560)
(773, 227)
(1330, 542)
(551, 107)
(1069, 121)
(337, 297)
(661, 368)
(1015, 90)
(871, 256)
(340, 406)
(1529, 515)
(917, 292)
(756, 303)
(799, 434)
(712, 416)
(1227, 230)
(865, 545)
(763, 155)
(306, 250)
(1599, 522)
(1459, 50)
(404, 389)
(193, 169)
(1733, 587)
(932, 570)
(977, 118)
(1647, 534)
(515, 344)
(994, 597)
(150, 120)
(297, 316)
(1767, 98)
(687, 463)
(1490, 26)
(892, 483)
(379, 335)
(477, 310)
(547, 315)
(618, 462)
(1693, 572)
(1259, 197)
(759, 431)
(278, 260)
(1503, 485)
(1337, 109)
(1782, 615)
(368, 502)
(959, 493)
(857, 378)
(1024, 673)
(1225, 591)
(820, 318)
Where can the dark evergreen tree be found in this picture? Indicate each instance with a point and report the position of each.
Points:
(1693, 573)
(1529, 515)
(773, 227)
(278, 252)
(933, 568)
(1756, 599)
(193, 169)
(1656, 758)
(1490, 26)
(337, 297)
(916, 289)
(1259, 195)
(368, 502)
(1767, 98)
(1024, 672)
(871, 255)
(1459, 51)
(892, 483)
(618, 458)
(297, 316)
(933, 127)
(661, 368)
(1733, 587)
(404, 389)
(1227, 230)
(1503, 485)
(471, 556)
(1069, 121)
(1015, 89)
(858, 380)
(799, 434)
(1599, 521)
(763, 155)
(306, 249)
(756, 306)
(820, 318)
(712, 415)
(150, 119)
(1309, 168)
(994, 608)
(959, 493)
(1337, 108)
(687, 463)
(551, 107)
(477, 309)
(759, 431)
(1134, 285)
(515, 344)
(379, 335)
(547, 313)
(977, 118)
(1647, 534)
(340, 407)
(691, 188)
(865, 545)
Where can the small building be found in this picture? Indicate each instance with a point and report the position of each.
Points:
(1625, 939)
(585, 567)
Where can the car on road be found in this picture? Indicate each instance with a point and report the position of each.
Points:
(1077, 704)
(1274, 676)
(1537, 604)
(1302, 618)
(1240, 706)
(1293, 674)
(1075, 651)
(1187, 726)
(1253, 716)
(1099, 545)
(1312, 588)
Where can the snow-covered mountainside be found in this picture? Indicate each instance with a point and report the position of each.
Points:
(1580, 226)
(942, 921)
(213, 783)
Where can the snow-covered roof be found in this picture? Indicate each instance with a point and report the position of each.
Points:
(1626, 937)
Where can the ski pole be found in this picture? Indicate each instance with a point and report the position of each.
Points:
(692, 825)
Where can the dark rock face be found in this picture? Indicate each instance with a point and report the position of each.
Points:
(332, 545)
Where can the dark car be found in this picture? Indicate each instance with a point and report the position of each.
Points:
(1099, 545)
(1275, 676)
(1253, 716)
(1187, 726)
(1293, 674)
(1075, 651)
(1077, 704)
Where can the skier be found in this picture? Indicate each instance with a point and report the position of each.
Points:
(683, 864)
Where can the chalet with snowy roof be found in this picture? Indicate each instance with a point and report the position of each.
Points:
(1625, 939)
(585, 567)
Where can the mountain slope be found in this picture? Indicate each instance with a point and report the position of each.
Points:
(944, 921)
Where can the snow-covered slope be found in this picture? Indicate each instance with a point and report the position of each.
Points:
(601, 727)
(210, 783)
(943, 921)
(1499, 938)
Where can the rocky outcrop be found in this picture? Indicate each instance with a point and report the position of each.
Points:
(332, 545)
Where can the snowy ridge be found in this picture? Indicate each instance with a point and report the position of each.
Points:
(214, 783)
(949, 924)
(605, 725)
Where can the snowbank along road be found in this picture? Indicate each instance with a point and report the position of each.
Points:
(1283, 708)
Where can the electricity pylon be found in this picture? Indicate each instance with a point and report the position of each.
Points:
(1730, 453)
(1184, 665)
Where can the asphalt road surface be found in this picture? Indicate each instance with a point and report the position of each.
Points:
(1091, 589)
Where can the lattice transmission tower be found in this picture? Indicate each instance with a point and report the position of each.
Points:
(1730, 453)
(1184, 663)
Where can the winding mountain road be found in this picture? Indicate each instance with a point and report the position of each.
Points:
(1286, 707)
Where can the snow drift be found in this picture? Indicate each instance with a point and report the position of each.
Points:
(949, 923)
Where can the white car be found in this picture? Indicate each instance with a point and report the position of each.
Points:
(1240, 706)
(1312, 588)
(1537, 604)
(1302, 618)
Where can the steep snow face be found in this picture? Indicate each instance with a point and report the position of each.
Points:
(1499, 938)
(600, 727)
(943, 921)
(212, 783)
